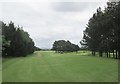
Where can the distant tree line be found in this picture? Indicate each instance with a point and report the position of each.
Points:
(102, 33)
(15, 41)
(64, 46)
(37, 48)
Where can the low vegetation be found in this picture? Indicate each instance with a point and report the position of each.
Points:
(48, 66)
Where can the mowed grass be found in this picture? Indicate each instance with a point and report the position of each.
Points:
(48, 66)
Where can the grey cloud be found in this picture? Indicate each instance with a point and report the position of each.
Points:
(73, 36)
(45, 23)
(114, 0)
(43, 43)
(73, 6)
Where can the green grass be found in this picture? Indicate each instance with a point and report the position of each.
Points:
(48, 66)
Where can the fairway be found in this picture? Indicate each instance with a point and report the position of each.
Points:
(48, 66)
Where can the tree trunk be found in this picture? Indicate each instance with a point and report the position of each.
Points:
(107, 54)
(113, 54)
(116, 54)
(100, 54)
(94, 53)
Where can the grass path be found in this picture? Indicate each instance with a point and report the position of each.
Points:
(47, 66)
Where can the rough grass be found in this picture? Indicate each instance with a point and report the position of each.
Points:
(48, 66)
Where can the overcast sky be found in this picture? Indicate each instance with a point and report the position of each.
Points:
(50, 21)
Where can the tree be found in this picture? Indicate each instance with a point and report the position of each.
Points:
(16, 42)
(102, 33)
(64, 46)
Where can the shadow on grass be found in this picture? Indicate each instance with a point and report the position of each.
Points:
(4, 59)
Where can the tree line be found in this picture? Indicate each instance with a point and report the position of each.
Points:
(102, 33)
(15, 41)
(64, 46)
